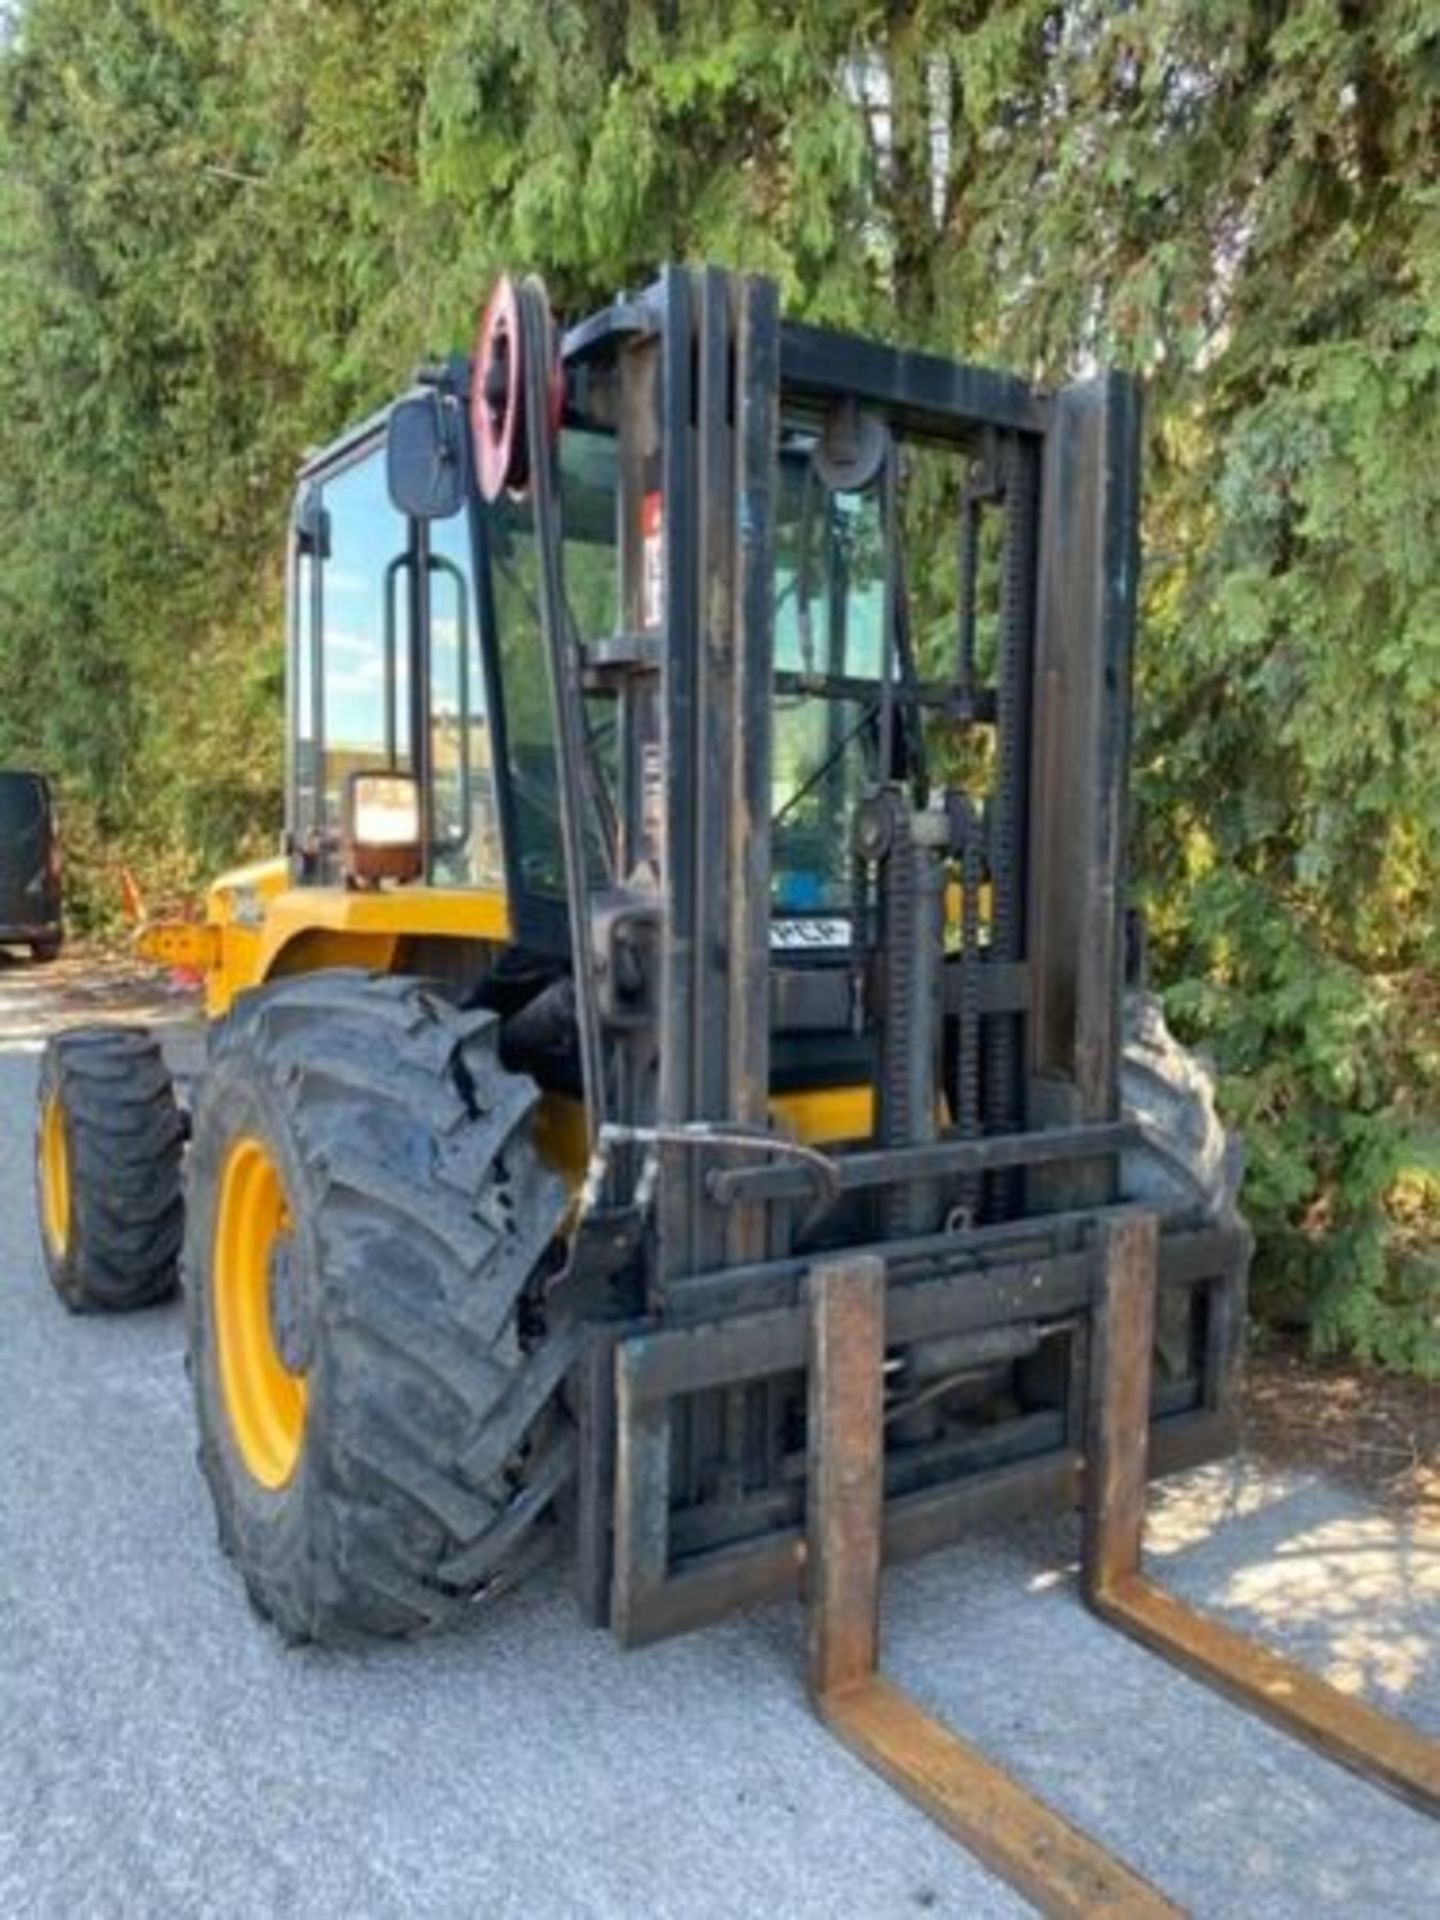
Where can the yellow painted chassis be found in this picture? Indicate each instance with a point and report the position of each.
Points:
(259, 926)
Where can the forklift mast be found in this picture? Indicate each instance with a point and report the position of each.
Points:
(969, 974)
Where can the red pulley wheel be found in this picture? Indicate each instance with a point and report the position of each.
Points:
(497, 395)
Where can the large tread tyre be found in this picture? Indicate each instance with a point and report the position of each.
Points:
(1187, 1163)
(405, 1277)
(109, 1141)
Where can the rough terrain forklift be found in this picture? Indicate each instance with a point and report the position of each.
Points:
(678, 1084)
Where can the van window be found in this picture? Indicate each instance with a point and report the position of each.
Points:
(22, 803)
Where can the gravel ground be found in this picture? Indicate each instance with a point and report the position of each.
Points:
(162, 1754)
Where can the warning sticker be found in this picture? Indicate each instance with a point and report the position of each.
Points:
(652, 799)
(652, 560)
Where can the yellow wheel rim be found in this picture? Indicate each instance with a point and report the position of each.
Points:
(55, 1175)
(264, 1399)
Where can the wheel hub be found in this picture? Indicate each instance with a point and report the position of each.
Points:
(55, 1175)
(263, 1333)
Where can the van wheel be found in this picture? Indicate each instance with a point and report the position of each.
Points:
(42, 952)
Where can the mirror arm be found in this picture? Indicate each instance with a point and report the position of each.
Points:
(400, 564)
(438, 563)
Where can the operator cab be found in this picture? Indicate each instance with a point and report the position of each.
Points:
(415, 650)
(418, 678)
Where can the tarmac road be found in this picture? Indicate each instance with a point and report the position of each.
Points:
(162, 1754)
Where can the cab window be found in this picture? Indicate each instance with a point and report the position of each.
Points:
(365, 630)
(588, 490)
(465, 826)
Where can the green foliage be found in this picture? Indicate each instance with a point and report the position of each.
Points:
(226, 228)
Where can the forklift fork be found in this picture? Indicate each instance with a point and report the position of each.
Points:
(1049, 1861)
(1004, 1825)
(1378, 1746)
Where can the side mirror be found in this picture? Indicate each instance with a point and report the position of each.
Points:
(312, 523)
(380, 836)
(425, 456)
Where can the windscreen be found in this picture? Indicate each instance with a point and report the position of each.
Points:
(588, 490)
(829, 614)
(829, 621)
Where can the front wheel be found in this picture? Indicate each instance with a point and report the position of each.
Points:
(368, 1225)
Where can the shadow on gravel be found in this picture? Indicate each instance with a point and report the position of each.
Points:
(1349, 1591)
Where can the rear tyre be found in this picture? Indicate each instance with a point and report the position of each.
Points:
(368, 1230)
(42, 952)
(108, 1144)
(1187, 1164)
